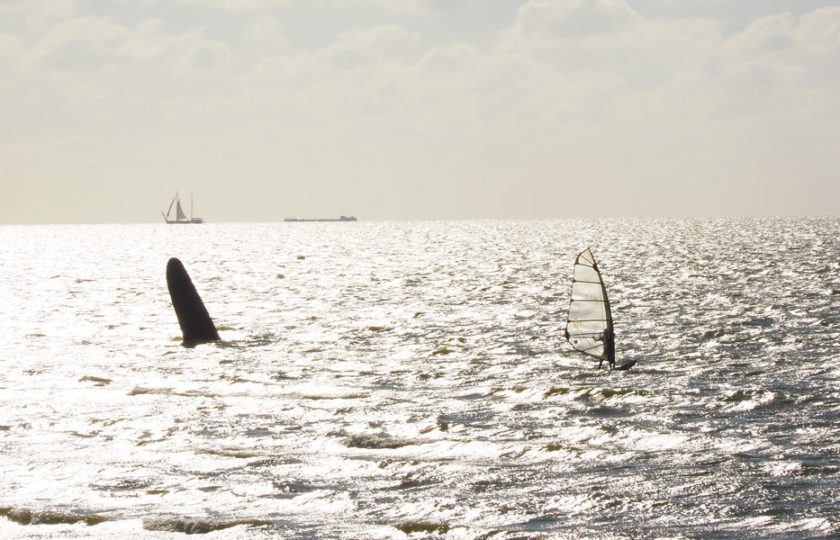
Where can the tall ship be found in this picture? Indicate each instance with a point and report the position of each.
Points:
(180, 217)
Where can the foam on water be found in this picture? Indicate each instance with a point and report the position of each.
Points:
(388, 379)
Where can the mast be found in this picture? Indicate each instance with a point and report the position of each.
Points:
(609, 346)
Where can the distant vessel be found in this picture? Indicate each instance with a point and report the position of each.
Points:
(302, 220)
(589, 327)
(180, 216)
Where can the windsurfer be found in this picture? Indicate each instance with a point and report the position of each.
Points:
(609, 349)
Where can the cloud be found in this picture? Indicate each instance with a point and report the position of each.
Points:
(819, 31)
(266, 29)
(146, 42)
(99, 34)
(197, 54)
(11, 47)
(683, 60)
(567, 19)
(567, 88)
(559, 60)
(766, 35)
(39, 12)
(581, 27)
(415, 6)
(238, 5)
(91, 42)
(616, 66)
(368, 46)
(355, 53)
(771, 60)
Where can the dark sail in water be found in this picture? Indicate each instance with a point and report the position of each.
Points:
(193, 318)
(590, 326)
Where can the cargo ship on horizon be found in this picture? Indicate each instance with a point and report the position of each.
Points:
(306, 220)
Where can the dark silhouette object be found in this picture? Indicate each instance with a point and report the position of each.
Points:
(196, 324)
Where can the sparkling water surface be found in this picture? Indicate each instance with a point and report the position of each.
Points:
(393, 380)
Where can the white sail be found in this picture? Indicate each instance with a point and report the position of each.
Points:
(590, 326)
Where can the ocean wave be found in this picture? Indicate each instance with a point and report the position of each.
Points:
(378, 441)
(198, 526)
(25, 516)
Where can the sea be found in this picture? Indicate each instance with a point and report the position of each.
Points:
(411, 380)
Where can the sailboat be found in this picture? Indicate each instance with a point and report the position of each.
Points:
(180, 216)
(589, 327)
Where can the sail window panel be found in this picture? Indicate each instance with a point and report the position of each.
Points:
(586, 257)
(588, 311)
(588, 344)
(595, 329)
(587, 292)
(586, 274)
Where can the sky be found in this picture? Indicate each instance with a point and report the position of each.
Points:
(418, 109)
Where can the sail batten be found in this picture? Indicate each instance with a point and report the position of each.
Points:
(589, 328)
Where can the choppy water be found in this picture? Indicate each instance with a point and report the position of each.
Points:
(384, 379)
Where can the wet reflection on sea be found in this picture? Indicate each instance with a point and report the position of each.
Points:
(379, 380)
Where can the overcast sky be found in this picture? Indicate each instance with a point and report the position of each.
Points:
(418, 109)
